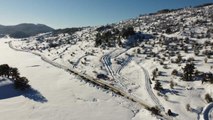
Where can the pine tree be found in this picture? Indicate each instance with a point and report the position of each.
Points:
(4, 70)
(98, 40)
(14, 73)
(208, 98)
(172, 84)
(21, 83)
(169, 112)
(158, 86)
(188, 71)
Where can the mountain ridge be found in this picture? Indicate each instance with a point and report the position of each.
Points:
(24, 29)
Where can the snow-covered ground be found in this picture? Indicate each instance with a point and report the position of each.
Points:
(178, 35)
(58, 95)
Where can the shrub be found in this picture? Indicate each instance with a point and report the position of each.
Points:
(155, 110)
(196, 52)
(154, 73)
(188, 107)
(172, 84)
(179, 58)
(165, 66)
(206, 60)
(188, 72)
(208, 98)
(169, 112)
(190, 59)
(175, 72)
(158, 86)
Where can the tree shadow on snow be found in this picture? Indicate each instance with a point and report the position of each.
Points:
(34, 95)
(137, 39)
(175, 102)
(174, 114)
(7, 91)
(165, 91)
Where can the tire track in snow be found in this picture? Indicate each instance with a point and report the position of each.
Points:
(123, 65)
(149, 89)
(107, 62)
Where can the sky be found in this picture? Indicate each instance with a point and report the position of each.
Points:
(77, 13)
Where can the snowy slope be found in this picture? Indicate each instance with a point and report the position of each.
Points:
(160, 41)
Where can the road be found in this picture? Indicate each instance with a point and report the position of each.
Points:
(149, 90)
(96, 81)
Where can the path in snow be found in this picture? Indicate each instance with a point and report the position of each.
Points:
(106, 60)
(149, 89)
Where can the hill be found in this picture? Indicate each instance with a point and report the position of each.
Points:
(24, 30)
(163, 59)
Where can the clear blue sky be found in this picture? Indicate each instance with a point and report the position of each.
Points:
(74, 13)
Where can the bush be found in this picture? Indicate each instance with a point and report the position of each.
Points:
(155, 110)
(169, 112)
(154, 73)
(188, 107)
(196, 52)
(188, 72)
(165, 66)
(206, 60)
(179, 58)
(175, 72)
(158, 86)
(172, 84)
(190, 59)
(208, 98)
